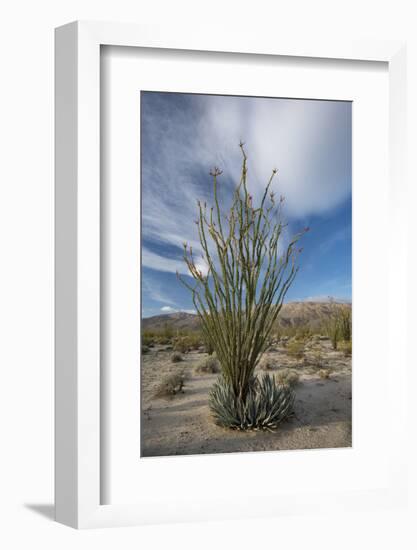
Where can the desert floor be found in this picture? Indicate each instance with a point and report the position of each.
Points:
(182, 425)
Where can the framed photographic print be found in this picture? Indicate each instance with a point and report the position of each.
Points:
(228, 287)
(218, 289)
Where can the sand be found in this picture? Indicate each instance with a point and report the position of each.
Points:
(182, 425)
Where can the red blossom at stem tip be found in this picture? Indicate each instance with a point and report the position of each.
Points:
(216, 172)
(306, 229)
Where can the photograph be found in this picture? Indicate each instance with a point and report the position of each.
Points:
(208, 266)
(246, 273)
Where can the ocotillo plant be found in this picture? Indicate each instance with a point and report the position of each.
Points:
(339, 324)
(247, 274)
(345, 322)
(333, 330)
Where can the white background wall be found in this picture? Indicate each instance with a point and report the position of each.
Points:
(26, 268)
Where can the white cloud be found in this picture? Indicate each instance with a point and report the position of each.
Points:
(335, 238)
(202, 266)
(153, 289)
(161, 263)
(168, 309)
(308, 141)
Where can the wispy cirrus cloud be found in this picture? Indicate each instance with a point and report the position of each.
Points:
(184, 135)
(334, 239)
(153, 290)
(162, 263)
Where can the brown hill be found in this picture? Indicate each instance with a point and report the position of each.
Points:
(175, 321)
(293, 314)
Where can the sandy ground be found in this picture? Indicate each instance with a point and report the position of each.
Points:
(182, 425)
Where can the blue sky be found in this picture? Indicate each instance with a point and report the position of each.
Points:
(308, 141)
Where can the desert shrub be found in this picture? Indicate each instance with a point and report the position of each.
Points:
(187, 342)
(171, 385)
(333, 331)
(324, 373)
(147, 340)
(345, 323)
(167, 331)
(266, 363)
(145, 349)
(339, 324)
(303, 333)
(295, 349)
(176, 357)
(239, 296)
(182, 344)
(149, 336)
(331, 324)
(266, 404)
(163, 341)
(287, 332)
(194, 341)
(317, 358)
(209, 365)
(299, 331)
(346, 348)
(284, 341)
(277, 334)
(208, 345)
(288, 377)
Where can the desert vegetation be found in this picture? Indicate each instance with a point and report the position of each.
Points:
(246, 372)
(178, 419)
(299, 322)
(239, 297)
(209, 365)
(171, 385)
(288, 377)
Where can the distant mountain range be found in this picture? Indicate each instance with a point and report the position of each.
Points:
(292, 314)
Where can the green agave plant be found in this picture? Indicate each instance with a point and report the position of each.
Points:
(266, 405)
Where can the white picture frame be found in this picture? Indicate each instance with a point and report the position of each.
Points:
(77, 243)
